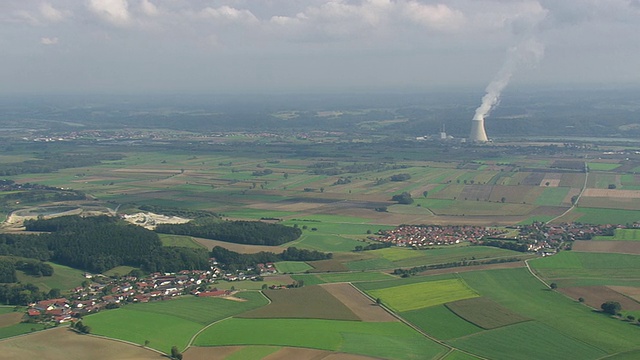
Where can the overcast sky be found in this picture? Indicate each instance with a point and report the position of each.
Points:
(139, 46)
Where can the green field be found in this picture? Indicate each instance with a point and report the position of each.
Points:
(19, 329)
(440, 322)
(581, 268)
(485, 313)
(602, 166)
(354, 277)
(63, 278)
(292, 267)
(119, 271)
(179, 241)
(391, 340)
(312, 302)
(622, 234)
(429, 293)
(520, 292)
(529, 340)
(170, 322)
(607, 216)
(552, 196)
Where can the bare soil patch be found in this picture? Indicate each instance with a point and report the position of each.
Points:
(364, 308)
(608, 246)
(239, 248)
(11, 318)
(595, 296)
(64, 344)
(630, 291)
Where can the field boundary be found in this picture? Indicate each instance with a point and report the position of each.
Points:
(420, 331)
(193, 338)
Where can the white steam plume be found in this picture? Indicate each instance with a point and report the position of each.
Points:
(528, 52)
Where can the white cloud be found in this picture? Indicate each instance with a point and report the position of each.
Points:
(229, 14)
(149, 8)
(113, 11)
(52, 14)
(49, 41)
(436, 17)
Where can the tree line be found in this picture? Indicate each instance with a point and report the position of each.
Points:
(239, 232)
(236, 261)
(100, 243)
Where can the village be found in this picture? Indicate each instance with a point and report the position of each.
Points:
(432, 235)
(101, 292)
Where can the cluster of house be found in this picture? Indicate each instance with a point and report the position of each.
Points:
(544, 237)
(418, 236)
(104, 293)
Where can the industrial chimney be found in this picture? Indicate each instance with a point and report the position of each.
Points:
(477, 130)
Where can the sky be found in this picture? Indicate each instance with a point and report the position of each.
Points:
(264, 46)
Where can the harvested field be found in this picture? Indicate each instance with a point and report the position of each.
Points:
(619, 203)
(239, 248)
(630, 291)
(309, 302)
(286, 353)
(608, 246)
(515, 193)
(473, 192)
(364, 308)
(485, 313)
(11, 318)
(533, 179)
(612, 193)
(595, 296)
(64, 344)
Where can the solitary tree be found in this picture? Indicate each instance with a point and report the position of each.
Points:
(611, 307)
(175, 353)
(146, 343)
(553, 286)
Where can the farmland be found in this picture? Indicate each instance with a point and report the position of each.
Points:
(416, 296)
(339, 195)
(168, 323)
(391, 340)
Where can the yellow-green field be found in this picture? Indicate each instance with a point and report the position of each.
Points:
(425, 294)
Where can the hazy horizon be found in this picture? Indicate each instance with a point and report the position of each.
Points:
(286, 46)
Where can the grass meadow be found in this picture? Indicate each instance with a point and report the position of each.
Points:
(440, 322)
(607, 216)
(391, 340)
(63, 278)
(534, 341)
(622, 234)
(292, 267)
(170, 322)
(570, 268)
(179, 241)
(521, 293)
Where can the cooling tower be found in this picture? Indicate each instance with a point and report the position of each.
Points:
(477, 131)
